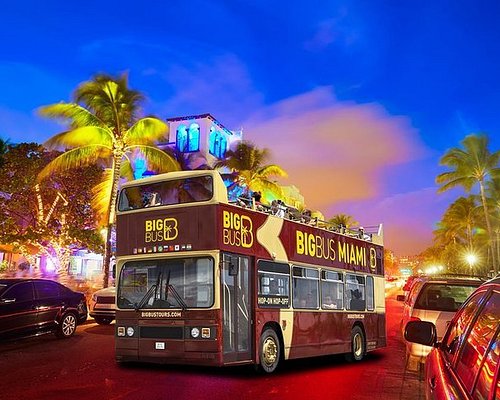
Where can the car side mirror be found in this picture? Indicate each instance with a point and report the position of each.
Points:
(421, 332)
(400, 297)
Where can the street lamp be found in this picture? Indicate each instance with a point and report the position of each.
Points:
(471, 259)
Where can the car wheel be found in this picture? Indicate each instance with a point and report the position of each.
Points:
(358, 345)
(67, 326)
(103, 320)
(270, 351)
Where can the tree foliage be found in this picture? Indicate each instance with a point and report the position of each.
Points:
(47, 217)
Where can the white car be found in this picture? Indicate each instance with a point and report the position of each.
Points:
(102, 305)
(434, 299)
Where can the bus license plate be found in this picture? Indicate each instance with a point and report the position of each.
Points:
(160, 345)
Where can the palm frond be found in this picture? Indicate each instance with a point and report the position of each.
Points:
(101, 193)
(84, 136)
(75, 114)
(126, 170)
(146, 131)
(157, 159)
(78, 157)
(272, 170)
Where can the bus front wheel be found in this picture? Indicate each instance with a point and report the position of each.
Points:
(358, 345)
(270, 351)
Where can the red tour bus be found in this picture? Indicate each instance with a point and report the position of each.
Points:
(205, 282)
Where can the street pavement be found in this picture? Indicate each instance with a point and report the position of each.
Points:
(83, 367)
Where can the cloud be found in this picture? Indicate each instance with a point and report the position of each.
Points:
(333, 150)
(408, 218)
(220, 85)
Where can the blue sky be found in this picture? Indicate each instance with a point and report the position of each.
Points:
(357, 100)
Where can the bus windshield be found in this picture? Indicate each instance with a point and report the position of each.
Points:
(166, 283)
(175, 191)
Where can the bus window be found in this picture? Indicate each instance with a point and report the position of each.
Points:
(355, 292)
(370, 304)
(332, 290)
(305, 287)
(176, 191)
(274, 284)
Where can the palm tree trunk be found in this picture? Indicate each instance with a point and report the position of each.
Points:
(488, 226)
(117, 161)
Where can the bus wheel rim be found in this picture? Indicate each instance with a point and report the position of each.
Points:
(269, 351)
(357, 345)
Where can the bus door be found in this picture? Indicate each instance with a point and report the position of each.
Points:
(236, 308)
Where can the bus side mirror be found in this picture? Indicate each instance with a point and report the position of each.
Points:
(233, 269)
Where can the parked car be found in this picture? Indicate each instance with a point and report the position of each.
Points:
(102, 305)
(435, 299)
(465, 364)
(35, 306)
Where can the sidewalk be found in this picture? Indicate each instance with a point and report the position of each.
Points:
(394, 380)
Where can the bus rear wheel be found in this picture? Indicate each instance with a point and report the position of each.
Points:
(358, 345)
(270, 351)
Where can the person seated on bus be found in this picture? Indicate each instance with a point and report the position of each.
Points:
(273, 287)
(357, 303)
(311, 300)
(328, 303)
(306, 216)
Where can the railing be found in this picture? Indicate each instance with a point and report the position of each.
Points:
(280, 209)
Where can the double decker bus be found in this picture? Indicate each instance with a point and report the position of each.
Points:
(203, 281)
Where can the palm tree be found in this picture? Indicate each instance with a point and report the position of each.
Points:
(344, 220)
(248, 163)
(493, 199)
(105, 128)
(470, 166)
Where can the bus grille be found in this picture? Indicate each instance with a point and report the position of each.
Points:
(169, 332)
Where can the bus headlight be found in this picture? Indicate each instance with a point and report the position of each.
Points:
(120, 331)
(195, 332)
(130, 331)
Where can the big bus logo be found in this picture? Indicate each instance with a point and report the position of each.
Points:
(237, 229)
(160, 230)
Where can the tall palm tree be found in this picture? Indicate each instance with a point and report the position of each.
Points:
(493, 199)
(474, 164)
(248, 163)
(105, 128)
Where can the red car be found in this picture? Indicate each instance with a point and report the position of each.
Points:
(465, 364)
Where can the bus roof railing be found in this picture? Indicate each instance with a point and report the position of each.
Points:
(278, 208)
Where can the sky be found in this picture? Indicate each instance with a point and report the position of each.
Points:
(356, 100)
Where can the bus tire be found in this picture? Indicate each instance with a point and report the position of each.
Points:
(67, 326)
(358, 345)
(269, 350)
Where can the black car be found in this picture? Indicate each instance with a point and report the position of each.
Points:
(35, 306)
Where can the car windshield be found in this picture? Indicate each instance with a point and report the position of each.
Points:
(160, 284)
(443, 296)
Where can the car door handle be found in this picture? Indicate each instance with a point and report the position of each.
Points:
(432, 382)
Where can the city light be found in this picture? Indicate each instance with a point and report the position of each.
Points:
(471, 259)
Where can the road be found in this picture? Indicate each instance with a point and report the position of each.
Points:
(83, 367)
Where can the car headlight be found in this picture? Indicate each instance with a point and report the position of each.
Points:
(195, 332)
(130, 331)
